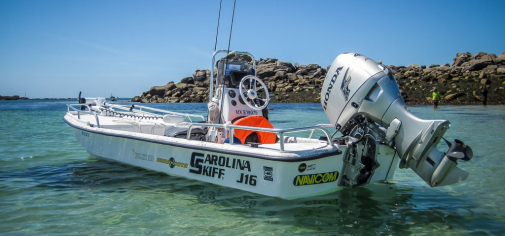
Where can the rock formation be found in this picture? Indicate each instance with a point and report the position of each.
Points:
(461, 83)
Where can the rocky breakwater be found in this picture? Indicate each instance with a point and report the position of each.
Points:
(189, 89)
(469, 80)
(285, 81)
(464, 82)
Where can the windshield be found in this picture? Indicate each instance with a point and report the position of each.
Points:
(231, 71)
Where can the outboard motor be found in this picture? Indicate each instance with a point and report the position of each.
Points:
(358, 90)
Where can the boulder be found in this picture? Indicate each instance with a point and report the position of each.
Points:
(182, 86)
(201, 75)
(265, 70)
(453, 96)
(500, 70)
(485, 81)
(187, 80)
(280, 74)
(284, 66)
(288, 88)
(160, 90)
(136, 99)
(292, 77)
(476, 64)
(461, 58)
(200, 89)
(491, 69)
(475, 95)
(484, 56)
(271, 86)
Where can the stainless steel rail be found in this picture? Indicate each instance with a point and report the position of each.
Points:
(79, 111)
(141, 108)
(280, 132)
(229, 127)
(77, 108)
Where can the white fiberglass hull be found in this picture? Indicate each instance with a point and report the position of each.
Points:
(265, 170)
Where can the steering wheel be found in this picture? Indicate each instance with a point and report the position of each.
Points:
(250, 93)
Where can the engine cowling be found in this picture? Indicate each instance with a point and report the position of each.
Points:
(357, 90)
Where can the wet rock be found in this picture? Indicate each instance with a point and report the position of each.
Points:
(453, 96)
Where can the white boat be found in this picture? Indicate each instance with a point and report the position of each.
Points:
(372, 133)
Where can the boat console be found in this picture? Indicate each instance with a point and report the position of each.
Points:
(238, 94)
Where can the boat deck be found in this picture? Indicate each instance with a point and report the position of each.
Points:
(157, 130)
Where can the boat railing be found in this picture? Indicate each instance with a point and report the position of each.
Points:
(151, 110)
(128, 111)
(322, 126)
(79, 111)
(280, 132)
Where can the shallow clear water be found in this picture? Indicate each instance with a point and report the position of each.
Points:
(49, 185)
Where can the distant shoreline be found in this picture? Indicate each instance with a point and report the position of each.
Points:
(16, 98)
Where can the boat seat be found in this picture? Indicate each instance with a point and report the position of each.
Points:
(197, 133)
(173, 119)
(255, 121)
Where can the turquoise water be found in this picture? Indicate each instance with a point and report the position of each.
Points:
(49, 185)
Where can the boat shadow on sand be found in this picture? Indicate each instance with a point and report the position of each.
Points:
(379, 208)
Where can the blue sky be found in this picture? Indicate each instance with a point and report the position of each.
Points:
(56, 48)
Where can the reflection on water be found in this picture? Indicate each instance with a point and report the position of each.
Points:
(109, 189)
(61, 189)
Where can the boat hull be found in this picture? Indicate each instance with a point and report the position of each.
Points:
(265, 171)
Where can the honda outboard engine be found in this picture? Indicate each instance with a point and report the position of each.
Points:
(360, 92)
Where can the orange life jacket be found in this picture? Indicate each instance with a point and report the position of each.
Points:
(255, 121)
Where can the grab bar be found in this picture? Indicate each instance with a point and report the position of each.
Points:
(156, 110)
(71, 106)
(280, 132)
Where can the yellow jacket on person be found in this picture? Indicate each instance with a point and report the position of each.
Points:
(436, 96)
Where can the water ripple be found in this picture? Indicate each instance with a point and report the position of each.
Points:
(59, 189)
